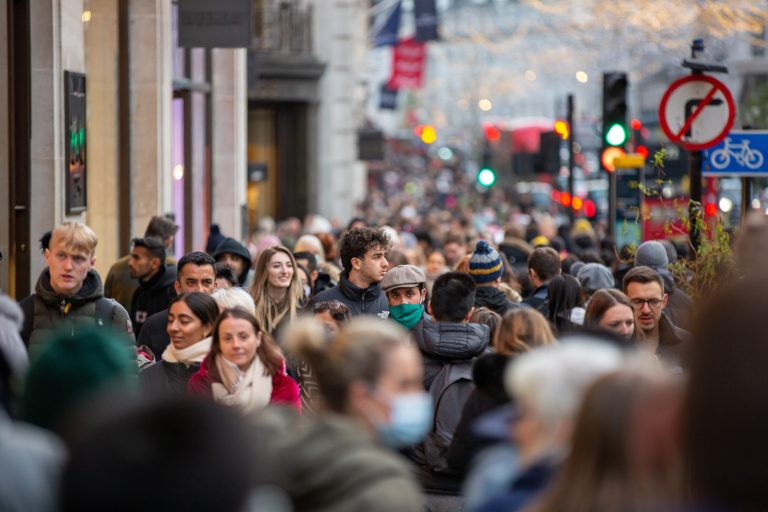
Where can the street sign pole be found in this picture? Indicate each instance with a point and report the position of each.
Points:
(571, 165)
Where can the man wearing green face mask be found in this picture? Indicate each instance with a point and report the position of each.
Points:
(405, 286)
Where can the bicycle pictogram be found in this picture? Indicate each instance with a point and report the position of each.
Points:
(744, 155)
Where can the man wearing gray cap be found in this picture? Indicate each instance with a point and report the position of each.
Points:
(405, 286)
(679, 306)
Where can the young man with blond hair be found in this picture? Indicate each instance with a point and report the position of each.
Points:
(69, 293)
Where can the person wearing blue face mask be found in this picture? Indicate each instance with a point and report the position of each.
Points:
(405, 286)
(342, 458)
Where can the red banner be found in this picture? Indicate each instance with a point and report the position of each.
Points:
(408, 61)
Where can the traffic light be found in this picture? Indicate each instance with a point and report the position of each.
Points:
(615, 130)
(426, 133)
(486, 176)
(562, 129)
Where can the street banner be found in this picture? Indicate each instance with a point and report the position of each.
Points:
(387, 98)
(206, 24)
(386, 25)
(425, 14)
(408, 60)
(741, 153)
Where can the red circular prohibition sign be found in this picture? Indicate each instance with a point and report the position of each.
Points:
(717, 86)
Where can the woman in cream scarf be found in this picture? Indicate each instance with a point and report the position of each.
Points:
(244, 367)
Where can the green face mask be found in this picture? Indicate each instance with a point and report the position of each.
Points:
(406, 315)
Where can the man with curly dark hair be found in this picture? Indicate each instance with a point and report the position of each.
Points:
(362, 252)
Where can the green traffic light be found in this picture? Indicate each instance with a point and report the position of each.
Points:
(616, 135)
(486, 177)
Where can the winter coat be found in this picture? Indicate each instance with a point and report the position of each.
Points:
(679, 304)
(152, 296)
(284, 389)
(673, 343)
(232, 246)
(330, 464)
(45, 311)
(448, 352)
(493, 299)
(489, 393)
(538, 300)
(524, 489)
(368, 301)
(163, 379)
(119, 284)
(31, 461)
(154, 334)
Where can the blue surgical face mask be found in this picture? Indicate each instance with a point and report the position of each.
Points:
(410, 418)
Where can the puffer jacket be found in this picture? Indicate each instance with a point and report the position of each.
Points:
(45, 311)
(368, 301)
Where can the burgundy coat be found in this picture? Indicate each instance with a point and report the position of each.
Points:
(285, 391)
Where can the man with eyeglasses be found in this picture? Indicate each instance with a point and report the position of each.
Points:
(645, 289)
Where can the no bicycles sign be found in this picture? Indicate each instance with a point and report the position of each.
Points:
(697, 112)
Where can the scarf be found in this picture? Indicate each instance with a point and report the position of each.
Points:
(247, 390)
(193, 354)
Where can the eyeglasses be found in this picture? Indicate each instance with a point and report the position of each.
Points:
(652, 303)
(338, 310)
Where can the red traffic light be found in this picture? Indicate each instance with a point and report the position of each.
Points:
(636, 124)
(589, 208)
(710, 209)
(491, 133)
(565, 199)
(642, 151)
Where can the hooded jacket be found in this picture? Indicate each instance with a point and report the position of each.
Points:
(45, 311)
(119, 284)
(232, 246)
(330, 464)
(152, 296)
(448, 351)
(493, 299)
(368, 301)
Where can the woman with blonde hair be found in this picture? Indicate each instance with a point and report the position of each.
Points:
(277, 291)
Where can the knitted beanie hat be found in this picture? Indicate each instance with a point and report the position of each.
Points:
(72, 369)
(485, 265)
(651, 254)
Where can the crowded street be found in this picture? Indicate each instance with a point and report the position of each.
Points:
(383, 255)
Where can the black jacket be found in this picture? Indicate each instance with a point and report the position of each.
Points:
(368, 301)
(679, 304)
(154, 334)
(493, 299)
(673, 343)
(152, 296)
(232, 246)
(489, 393)
(538, 300)
(164, 379)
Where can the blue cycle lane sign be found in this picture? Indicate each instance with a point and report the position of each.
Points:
(741, 153)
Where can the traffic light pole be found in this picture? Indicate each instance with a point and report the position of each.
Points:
(571, 163)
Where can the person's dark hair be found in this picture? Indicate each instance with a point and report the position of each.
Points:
(455, 238)
(154, 246)
(45, 241)
(224, 272)
(453, 296)
(339, 311)
(545, 262)
(267, 351)
(356, 242)
(196, 258)
(487, 317)
(308, 257)
(592, 256)
(161, 227)
(202, 305)
(568, 261)
(563, 293)
(642, 275)
(181, 443)
(354, 221)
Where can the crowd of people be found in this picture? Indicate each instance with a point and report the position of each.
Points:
(383, 368)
